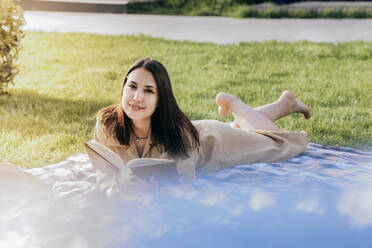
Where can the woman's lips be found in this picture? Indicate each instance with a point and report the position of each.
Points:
(136, 107)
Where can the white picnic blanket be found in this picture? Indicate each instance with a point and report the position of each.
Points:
(71, 204)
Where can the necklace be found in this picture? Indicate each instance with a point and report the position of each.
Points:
(139, 138)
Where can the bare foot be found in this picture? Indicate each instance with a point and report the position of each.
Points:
(294, 105)
(223, 100)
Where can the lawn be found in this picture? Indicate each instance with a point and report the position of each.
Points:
(65, 79)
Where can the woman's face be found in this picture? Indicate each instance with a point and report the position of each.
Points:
(140, 95)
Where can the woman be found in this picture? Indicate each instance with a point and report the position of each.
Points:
(147, 122)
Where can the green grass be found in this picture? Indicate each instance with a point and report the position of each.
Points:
(230, 8)
(66, 78)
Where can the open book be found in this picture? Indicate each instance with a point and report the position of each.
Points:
(163, 170)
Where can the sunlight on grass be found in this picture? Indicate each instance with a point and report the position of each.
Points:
(66, 78)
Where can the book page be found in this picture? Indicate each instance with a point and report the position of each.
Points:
(101, 163)
(102, 158)
(105, 152)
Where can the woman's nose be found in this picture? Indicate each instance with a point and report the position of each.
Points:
(137, 96)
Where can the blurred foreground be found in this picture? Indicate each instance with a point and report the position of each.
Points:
(319, 199)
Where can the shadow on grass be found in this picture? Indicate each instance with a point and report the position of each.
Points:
(49, 114)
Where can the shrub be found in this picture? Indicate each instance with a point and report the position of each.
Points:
(301, 13)
(247, 12)
(11, 20)
(358, 13)
(330, 13)
(271, 12)
(242, 8)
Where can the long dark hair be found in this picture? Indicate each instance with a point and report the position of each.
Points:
(169, 125)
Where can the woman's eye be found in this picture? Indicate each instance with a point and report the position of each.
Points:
(149, 91)
(132, 86)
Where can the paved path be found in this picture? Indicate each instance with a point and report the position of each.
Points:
(219, 30)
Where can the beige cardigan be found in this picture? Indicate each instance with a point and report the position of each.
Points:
(221, 146)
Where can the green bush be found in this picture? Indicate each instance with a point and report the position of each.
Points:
(11, 20)
(301, 13)
(271, 13)
(247, 12)
(183, 7)
(358, 13)
(330, 13)
(242, 8)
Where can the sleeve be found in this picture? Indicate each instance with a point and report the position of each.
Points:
(223, 146)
